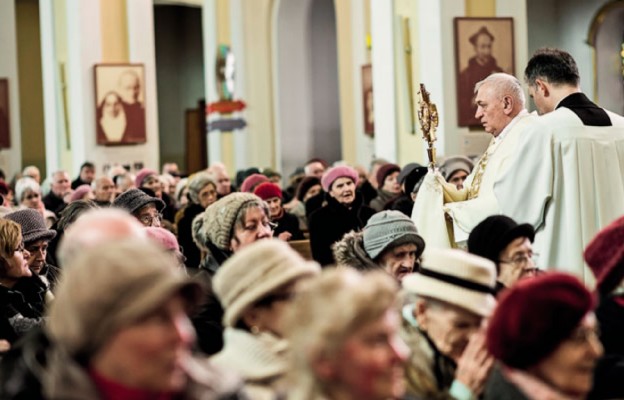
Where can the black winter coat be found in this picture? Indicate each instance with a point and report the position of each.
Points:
(288, 223)
(329, 224)
(185, 235)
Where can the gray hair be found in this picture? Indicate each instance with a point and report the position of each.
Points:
(25, 184)
(504, 84)
(197, 182)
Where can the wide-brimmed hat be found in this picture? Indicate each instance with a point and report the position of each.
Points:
(494, 233)
(605, 256)
(254, 272)
(456, 277)
(33, 225)
(134, 199)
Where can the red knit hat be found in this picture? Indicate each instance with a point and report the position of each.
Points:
(535, 316)
(605, 256)
(250, 183)
(268, 190)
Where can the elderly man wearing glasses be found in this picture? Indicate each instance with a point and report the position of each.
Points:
(145, 208)
(507, 244)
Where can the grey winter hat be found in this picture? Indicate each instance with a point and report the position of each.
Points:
(134, 199)
(33, 225)
(216, 224)
(388, 229)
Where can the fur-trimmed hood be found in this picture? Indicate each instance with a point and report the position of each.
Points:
(350, 252)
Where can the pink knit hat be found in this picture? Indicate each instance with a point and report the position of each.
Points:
(253, 180)
(163, 238)
(338, 172)
(80, 192)
(142, 174)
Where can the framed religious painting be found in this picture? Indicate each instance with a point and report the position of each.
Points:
(120, 104)
(5, 126)
(482, 46)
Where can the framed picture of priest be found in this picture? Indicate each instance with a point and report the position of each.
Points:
(482, 46)
(120, 104)
(5, 127)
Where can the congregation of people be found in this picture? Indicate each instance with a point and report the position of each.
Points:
(499, 277)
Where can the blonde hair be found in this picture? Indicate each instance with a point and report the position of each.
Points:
(10, 238)
(326, 313)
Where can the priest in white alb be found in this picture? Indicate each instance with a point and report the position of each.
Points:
(444, 215)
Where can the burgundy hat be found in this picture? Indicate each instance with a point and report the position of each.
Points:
(384, 171)
(268, 190)
(338, 172)
(605, 256)
(535, 316)
(142, 175)
(253, 180)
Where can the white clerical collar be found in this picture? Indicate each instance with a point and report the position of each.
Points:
(510, 125)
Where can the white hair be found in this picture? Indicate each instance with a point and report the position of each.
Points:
(504, 85)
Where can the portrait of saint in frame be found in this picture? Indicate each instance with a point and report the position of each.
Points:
(120, 104)
(5, 127)
(482, 46)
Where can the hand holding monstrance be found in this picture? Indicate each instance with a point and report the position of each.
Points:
(428, 117)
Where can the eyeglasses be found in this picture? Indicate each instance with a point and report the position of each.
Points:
(521, 260)
(583, 335)
(149, 220)
(20, 248)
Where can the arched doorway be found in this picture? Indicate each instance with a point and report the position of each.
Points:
(307, 103)
(606, 36)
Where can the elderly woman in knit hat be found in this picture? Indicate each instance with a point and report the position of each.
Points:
(255, 301)
(145, 208)
(286, 225)
(126, 337)
(605, 257)
(227, 226)
(202, 192)
(389, 241)
(544, 334)
(447, 301)
(14, 307)
(343, 213)
(36, 289)
(343, 329)
(389, 186)
(456, 169)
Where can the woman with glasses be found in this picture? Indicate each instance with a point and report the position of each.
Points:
(21, 315)
(145, 208)
(226, 227)
(255, 301)
(544, 336)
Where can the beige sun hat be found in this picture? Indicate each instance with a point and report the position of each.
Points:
(455, 277)
(254, 272)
